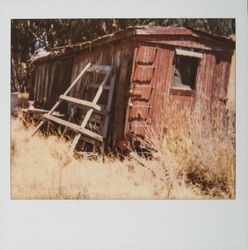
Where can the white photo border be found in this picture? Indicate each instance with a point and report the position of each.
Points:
(106, 224)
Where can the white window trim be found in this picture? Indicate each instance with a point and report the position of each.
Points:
(189, 53)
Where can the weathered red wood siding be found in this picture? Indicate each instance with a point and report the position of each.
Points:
(154, 105)
(219, 91)
(149, 83)
(143, 99)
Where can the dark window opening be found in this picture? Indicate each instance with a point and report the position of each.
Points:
(185, 71)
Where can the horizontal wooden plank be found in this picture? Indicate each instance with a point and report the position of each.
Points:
(40, 111)
(189, 53)
(74, 127)
(182, 92)
(164, 31)
(96, 86)
(144, 86)
(100, 68)
(80, 102)
(139, 105)
(141, 64)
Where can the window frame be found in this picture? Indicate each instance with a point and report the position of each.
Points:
(187, 53)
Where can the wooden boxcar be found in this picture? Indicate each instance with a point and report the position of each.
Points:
(158, 71)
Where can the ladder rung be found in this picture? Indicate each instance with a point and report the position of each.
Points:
(62, 122)
(99, 69)
(100, 109)
(74, 127)
(80, 102)
(98, 85)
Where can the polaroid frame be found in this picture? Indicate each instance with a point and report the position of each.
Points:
(163, 224)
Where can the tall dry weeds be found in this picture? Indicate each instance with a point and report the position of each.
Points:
(41, 169)
(203, 151)
(193, 161)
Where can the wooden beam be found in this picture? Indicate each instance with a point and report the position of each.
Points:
(189, 53)
(108, 108)
(99, 69)
(96, 86)
(74, 127)
(80, 102)
(62, 122)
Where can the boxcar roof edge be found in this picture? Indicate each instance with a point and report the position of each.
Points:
(153, 31)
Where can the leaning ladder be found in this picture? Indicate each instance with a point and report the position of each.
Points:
(92, 106)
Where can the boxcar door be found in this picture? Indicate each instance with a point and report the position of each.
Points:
(141, 92)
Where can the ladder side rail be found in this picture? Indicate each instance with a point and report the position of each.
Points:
(95, 100)
(99, 91)
(90, 111)
(108, 108)
(78, 77)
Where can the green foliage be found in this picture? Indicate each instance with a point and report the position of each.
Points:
(28, 35)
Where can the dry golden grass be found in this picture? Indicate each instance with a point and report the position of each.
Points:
(41, 169)
(205, 156)
(192, 164)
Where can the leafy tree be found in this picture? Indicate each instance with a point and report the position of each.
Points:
(28, 35)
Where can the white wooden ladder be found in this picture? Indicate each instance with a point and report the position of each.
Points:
(91, 106)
